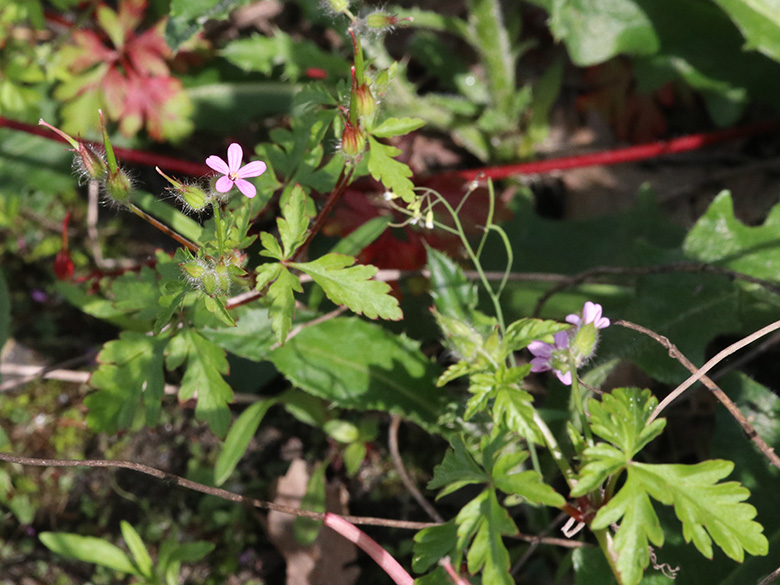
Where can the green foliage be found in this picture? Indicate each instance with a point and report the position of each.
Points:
(343, 283)
(373, 369)
(393, 174)
(597, 31)
(759, 23)
(238, 439)
(206, 364)
(90, 549)
(264, 53)
(131, 369)
(188, 17)
(197, 312)
(700, 502)
(482, 521)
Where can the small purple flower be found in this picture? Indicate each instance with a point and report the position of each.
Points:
(233, 173)
(591, 313)
(545, 356)
(39, 296)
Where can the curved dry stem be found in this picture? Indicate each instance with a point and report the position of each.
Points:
(392, 441)
(699, 374)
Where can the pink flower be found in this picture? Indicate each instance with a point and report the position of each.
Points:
(591, 313)
(547, 356)
(233, 173)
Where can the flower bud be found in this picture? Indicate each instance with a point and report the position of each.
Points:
(583, 344)
(194, 197)
(339, 6)
(353, 140)
(210, 283)
(118, 186)
(223, 278)
(365, 101)
(88, 161)
(194, 268)
(381, 20)
(191, 196)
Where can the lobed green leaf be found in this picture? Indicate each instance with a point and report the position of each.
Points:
(393, 174)
(349, 285)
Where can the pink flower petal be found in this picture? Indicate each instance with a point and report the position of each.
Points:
(561, 339)
(602, 323)
(224, 184)
(591, 312)
(235, 155)
(540, 349)
(247, 188)
(539, 364)
(574, 319)
(565, 378)
(253, 169)
(217, 164)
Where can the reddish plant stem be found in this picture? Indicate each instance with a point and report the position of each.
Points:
(126, 154)
(619, 155)
(606, 157)
(335, 195)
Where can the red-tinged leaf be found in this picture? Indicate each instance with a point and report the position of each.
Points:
(148, 51)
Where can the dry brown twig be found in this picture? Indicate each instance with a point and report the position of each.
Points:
(699, 374)
(693, 267)
(252, 502)
(392, 441)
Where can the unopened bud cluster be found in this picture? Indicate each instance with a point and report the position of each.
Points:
(211, 276)
(91, 164)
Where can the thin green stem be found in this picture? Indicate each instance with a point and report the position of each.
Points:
(605, 543)
(475, 260)
(560, 459)
(580, 406)
(219, 228)
(489, 219)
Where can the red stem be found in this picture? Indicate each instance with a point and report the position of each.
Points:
(126, 154)
(606, 157)
(620, 155)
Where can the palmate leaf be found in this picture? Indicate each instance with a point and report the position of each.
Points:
(349, 285)
(709, 511)
(393, 174)
(130, 367)
(621, 418)
(485, 520)
(529, 485)
(206, 362)
(456, 470)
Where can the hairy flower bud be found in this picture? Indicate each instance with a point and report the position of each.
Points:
(338, 6)
(195, 268)
(118, 186)
(353, 140)
(381, 20)
(210, 283)
(88, 161)
(191, 196)
(365, 101)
